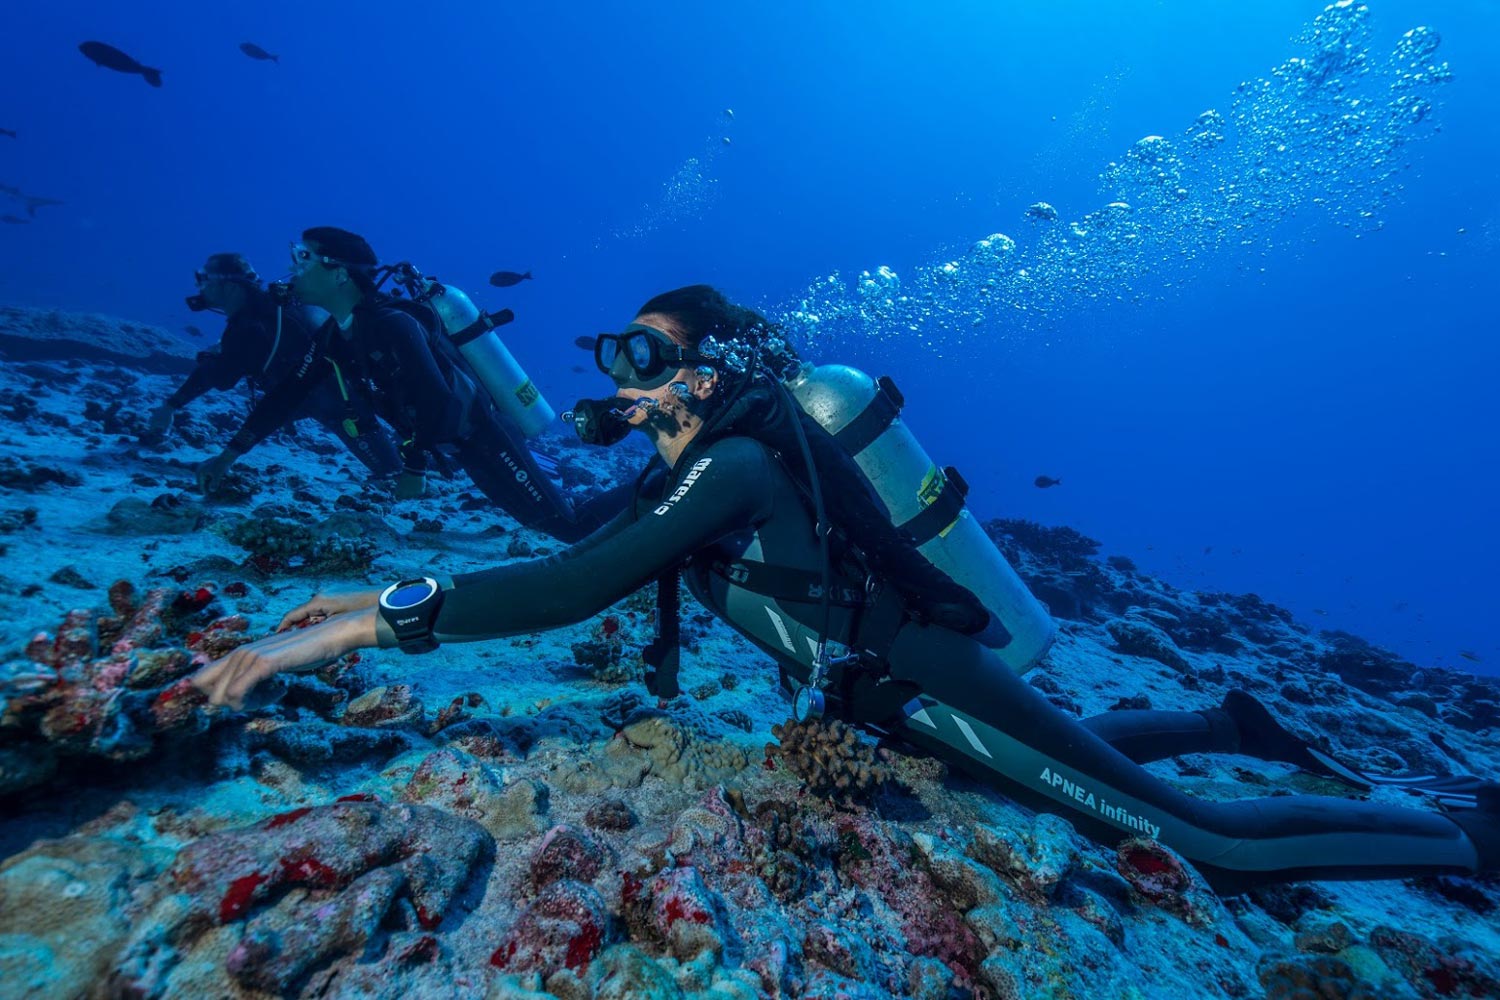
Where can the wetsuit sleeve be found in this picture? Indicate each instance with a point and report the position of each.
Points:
(277, 406)
(233, 359)
(430, 404)
(727, 490)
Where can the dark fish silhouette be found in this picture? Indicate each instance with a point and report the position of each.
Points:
(193, 331)
(12, 220)
(1046, 482)
(9, 131)
(33, 202)
(504, 279)
(112, 58)
(1469, 655)
(256, 52)
(1208, 550)
(587, 343)
(579, 369)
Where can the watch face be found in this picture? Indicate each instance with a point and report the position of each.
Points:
(408, 596)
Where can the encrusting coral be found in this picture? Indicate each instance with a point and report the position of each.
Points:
(829, 756)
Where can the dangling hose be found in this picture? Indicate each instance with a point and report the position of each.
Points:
(275, 344)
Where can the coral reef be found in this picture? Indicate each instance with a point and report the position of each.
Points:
(277, 545)
(110, 686)
(309, 885)
(830, 757)
(1140, 638)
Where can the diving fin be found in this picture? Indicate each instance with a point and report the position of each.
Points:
(1262, 736)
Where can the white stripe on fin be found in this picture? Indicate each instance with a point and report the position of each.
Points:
(973, 739)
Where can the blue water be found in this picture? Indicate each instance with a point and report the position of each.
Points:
(1310, 416)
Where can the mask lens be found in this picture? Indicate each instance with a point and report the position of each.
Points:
(301, 257)
(641, 352)
(606, 349)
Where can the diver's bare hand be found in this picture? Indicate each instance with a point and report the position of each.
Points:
(328, 605)
(226, 681)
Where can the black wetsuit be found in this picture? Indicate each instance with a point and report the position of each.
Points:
(729, 514)
(263, 345)
(431, 403)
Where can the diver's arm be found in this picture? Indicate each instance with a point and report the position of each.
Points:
(277, 405)
(731, 491)
(432, 404)
(204, 376)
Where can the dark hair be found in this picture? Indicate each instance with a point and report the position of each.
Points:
(347, 248)
(229, 265)
(702, 311)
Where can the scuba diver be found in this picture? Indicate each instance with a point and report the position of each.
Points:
(262, 342)
(749, 501)
(388, 345)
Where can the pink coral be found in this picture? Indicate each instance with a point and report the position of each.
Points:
(353, 859)
(564, 928)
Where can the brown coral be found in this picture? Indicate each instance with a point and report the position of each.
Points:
(830, 757)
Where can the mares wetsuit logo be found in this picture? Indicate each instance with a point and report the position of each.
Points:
(699, 467)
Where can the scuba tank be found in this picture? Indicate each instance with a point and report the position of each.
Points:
(472, 332)
(863, 415)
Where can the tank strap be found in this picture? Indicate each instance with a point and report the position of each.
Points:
(941, 511)
(878, 414)
(481, 326)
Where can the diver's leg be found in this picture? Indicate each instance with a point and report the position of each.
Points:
(975, 713)
(1144, 736)
(500, 463)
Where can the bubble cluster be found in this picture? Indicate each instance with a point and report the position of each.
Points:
(686, 195)
(1323, 135)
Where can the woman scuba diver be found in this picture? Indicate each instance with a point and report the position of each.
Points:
(735, 504)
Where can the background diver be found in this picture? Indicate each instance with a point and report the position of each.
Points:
(722, 507)
(261, 344)
(383, 343)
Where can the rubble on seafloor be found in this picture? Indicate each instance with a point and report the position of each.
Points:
(516, 819)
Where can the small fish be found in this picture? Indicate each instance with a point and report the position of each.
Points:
(1046, 482)
(110, 57)
(587, 343)
(579, 370)
(33, 203)
(1208, 550)
(1469, 655)
(1319, 611)
(9, 132)
(505, 279)
(12, 220)
(256, 52)
(193, 331)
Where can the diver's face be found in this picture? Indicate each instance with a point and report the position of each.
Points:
(221, 294)
(668, 411)
(313, 280)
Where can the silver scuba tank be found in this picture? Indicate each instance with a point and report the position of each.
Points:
(473, 333)
(863, 415)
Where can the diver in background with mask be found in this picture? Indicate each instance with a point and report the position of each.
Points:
(261, 343)
(378, 343)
